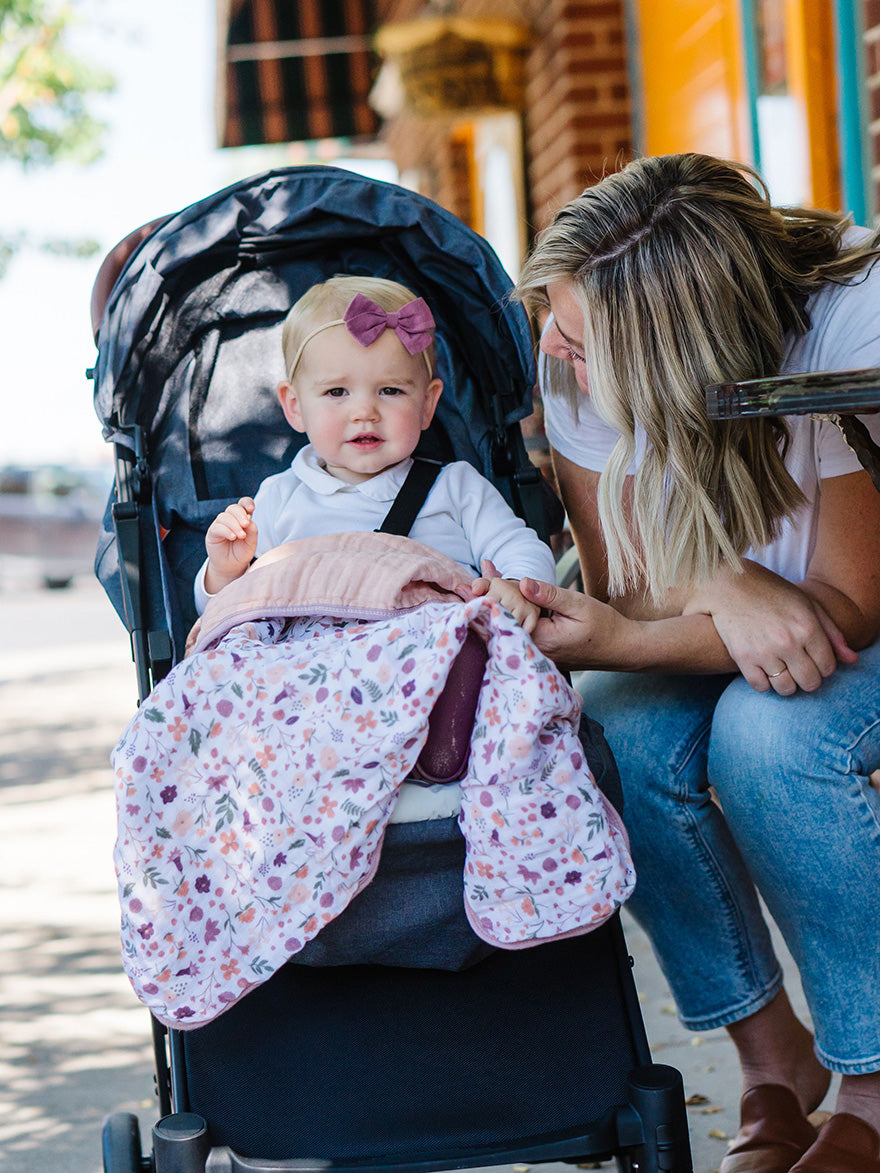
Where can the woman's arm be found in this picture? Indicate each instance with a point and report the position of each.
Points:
(777, 634)
(578, 488)
(768, 624)
(755, 621)
(584, 631)
(844, 571)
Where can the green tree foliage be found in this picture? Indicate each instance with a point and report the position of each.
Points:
(44, 93)
(44, 87)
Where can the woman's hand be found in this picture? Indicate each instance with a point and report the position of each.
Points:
(777, 635)
(755, 631)
(582, 632)
(231, 542)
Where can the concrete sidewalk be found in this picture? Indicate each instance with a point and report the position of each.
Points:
(74, 1043)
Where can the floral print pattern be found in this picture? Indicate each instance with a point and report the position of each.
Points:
(255, 782)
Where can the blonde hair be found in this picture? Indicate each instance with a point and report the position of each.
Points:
(328, 301)
(687, 276)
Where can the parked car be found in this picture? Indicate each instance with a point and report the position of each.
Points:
(49, 519)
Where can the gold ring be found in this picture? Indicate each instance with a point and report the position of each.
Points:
(770, 675)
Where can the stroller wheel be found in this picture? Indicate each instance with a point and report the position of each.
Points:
(121, 1144)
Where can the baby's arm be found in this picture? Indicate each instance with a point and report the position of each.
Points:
(231, 542)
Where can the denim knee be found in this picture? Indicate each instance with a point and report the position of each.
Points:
(718, 958)
(792, 777)
(652, 723)
(764, 747)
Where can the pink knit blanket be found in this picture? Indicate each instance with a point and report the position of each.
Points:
(255, 782)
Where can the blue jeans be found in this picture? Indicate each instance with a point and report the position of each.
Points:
(800, 825)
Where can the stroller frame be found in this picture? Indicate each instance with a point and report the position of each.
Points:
(594, 1093)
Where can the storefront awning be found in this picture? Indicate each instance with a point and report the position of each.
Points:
(294, 70)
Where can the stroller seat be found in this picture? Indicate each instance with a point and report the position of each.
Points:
(435, 1054)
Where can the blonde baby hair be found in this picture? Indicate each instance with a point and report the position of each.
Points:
(326, 303)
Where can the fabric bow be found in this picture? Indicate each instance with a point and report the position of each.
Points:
(412, 323)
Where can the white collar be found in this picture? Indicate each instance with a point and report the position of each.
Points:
(383, 487)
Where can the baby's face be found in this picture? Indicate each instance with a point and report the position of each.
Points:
(363, 408)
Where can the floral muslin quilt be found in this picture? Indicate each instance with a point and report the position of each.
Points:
(255, 782)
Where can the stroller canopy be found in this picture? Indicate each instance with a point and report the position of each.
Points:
(189, 344)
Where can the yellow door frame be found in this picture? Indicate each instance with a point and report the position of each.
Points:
(810, 63)
(698, 79)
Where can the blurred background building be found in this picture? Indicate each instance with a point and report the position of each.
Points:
(502, 110)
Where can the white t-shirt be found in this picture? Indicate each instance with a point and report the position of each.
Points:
(844, 335)
(464, 516)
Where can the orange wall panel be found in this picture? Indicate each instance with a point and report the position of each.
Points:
(694, 95)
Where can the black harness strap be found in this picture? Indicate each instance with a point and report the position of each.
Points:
(444, 755)
(411, 497)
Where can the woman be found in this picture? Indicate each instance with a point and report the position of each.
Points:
(732, 577)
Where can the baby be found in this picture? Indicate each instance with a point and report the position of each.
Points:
(359, 356)
(278, 750)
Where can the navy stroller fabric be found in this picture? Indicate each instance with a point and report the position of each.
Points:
(386, 1065)
(194, 354)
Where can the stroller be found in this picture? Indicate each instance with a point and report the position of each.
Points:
(529, 1055)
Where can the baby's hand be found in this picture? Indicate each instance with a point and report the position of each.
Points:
(231, 542)
(506, 592)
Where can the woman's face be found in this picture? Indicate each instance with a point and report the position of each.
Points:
(564, 337)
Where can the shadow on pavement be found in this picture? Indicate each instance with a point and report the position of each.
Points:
(74, 1042)
(73, 1047)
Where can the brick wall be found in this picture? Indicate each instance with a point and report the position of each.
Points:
(431, 153)
(577, 115)
(578, 109)
(871, 16)
(428, 152)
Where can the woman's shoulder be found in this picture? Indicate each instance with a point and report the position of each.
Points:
(576, 431)
(844, 331)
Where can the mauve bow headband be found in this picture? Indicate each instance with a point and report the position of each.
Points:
(366, 321)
